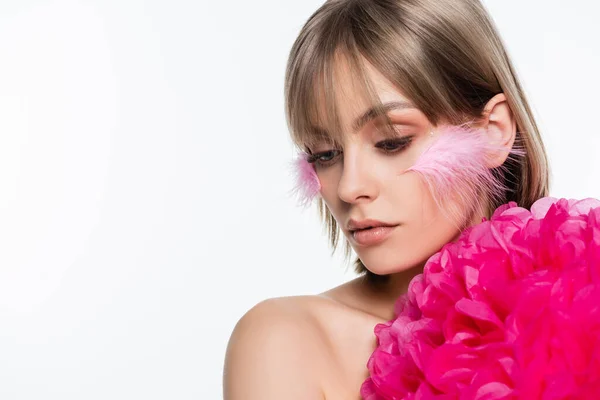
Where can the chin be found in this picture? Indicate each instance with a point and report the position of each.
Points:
(395, 258)
(388, 264)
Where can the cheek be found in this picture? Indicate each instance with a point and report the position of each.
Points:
(425, 221)
(423, 232)
(423, 210)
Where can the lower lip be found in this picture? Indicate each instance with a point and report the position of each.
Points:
(372, 236)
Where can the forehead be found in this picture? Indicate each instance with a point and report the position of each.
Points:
(349, 80)
(350, 96)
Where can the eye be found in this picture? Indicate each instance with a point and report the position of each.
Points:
(394, 145)
(323, 158)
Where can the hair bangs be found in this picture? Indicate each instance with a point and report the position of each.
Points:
(313, 103)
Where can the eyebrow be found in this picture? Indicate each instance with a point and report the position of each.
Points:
(372, 113)
(369, 115)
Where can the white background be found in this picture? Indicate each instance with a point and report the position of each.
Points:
(144, 186)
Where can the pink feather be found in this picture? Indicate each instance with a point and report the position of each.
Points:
(307, 184)
(454, 168)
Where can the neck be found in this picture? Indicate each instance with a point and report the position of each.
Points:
(397, 284)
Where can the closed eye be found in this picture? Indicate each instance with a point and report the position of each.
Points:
(394, 145)
(388, 146)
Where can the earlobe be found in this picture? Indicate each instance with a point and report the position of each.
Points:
(501, 127)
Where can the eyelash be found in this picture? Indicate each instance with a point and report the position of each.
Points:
(399, 144)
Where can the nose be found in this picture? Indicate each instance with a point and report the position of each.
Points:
(357, 182)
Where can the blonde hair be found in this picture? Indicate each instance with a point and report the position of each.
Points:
(445, 55)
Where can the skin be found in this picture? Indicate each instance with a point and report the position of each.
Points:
(317, 347)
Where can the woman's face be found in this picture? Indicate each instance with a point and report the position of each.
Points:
(363, 180)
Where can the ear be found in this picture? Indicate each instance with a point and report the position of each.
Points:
(501, 127)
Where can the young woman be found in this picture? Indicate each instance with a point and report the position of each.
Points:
(369, 85)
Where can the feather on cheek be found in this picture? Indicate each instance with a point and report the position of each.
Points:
(306, 181)
(454, 167)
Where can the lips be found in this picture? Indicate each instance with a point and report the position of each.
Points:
(372, 236)
(368, 227)
(369, 232)
(354, 225)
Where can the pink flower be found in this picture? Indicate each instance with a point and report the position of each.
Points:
(511, 310)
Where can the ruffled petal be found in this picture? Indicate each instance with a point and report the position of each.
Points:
(510, 310)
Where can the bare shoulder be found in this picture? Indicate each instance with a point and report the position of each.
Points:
(301, 347)
(273, 351)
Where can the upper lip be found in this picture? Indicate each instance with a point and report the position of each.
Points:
(354, 225)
